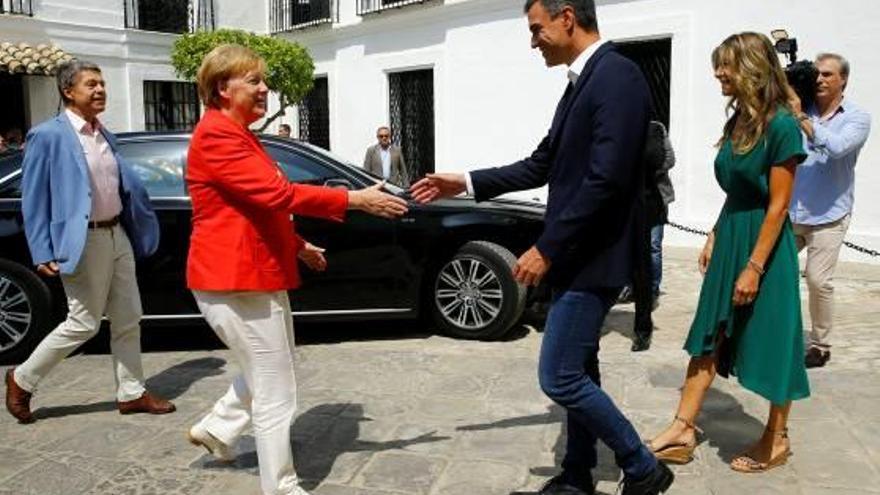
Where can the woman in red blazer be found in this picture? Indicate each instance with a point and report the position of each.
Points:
(242, 259)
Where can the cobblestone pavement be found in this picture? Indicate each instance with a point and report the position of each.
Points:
(434, 416)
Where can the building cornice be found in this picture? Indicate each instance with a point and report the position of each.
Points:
(86, 41)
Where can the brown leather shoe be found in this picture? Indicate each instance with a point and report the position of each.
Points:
(147, 403)
(18, 400)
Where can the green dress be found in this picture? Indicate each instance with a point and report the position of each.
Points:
(764, 346)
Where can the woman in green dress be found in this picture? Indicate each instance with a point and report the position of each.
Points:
(748, 320)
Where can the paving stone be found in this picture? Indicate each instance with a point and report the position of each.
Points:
(63, 474)
(401, 472)
(480, 478)
(141, 480)
(423, 414)
(14, 460)
(107, 440)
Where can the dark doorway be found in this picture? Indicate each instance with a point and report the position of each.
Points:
(654, 58)
(411, 101)
(171, 106)
(166, 16)
(314, 115)
(13, 114)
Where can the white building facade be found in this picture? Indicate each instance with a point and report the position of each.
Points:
(123, 37)
(490, 97)
(494, 99)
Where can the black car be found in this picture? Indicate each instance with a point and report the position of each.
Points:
(451, 259)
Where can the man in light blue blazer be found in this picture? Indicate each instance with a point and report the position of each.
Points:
(86, 217)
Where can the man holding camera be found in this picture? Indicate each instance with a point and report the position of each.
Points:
(822, 201)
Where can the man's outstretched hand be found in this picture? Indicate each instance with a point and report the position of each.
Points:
(436, 186)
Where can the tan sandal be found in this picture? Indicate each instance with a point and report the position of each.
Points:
(681, 453)
(751, 466)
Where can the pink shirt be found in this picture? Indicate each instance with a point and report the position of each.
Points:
(103, 169)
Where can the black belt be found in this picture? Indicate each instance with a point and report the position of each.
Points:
(105, 224)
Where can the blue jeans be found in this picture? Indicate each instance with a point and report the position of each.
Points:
(568, 372)
(656, 258)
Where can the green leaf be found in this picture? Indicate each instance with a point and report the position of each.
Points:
(289, 67)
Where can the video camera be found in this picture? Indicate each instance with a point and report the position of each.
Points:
(801, 74)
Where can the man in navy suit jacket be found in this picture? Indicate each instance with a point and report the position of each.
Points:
(86, 218)
(591, 159)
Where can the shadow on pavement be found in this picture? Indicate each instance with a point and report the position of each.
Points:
(319, 437)
(725, 423)
(169, 384)
(173, 382)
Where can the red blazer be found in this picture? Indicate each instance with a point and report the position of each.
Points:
(243, 236)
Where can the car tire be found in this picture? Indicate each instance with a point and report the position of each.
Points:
(474, 294)
(25, 311)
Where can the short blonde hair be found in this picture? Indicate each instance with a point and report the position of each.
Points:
(221, 64)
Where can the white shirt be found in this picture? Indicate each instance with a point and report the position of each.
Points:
(385, 155)
(574, 72)
(103, 169)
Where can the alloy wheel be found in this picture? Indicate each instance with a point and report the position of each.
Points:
(15, 313)
(468, 293)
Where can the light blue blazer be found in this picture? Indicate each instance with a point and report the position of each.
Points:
(56, 197)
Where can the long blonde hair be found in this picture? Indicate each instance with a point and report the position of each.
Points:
(759, 87)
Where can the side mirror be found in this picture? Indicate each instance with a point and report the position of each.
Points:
(338, 184)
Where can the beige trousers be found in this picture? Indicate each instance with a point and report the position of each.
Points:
(823, 244)
(258, 329)
(104, 282)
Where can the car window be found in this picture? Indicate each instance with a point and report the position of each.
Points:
(9, 163)
(301, 168)
(159, 164)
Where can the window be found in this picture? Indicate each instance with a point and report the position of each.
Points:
(314, 115)
(301, 168)
(170, 106)
(9, 163)
(412, 118)
(287, 15)
(159, 165)
(20, 7)
(654, 58)
(371, 6)
(170, 16)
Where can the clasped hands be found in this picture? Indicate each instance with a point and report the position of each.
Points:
(530, 268)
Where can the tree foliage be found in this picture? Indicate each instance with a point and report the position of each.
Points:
(289, 67)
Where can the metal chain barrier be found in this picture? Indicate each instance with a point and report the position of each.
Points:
(870, 252)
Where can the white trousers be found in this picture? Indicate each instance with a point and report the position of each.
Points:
(104, 281)
(823, 243)
(258, 329)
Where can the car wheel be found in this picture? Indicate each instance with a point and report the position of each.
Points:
(25, 311)
(474, 295)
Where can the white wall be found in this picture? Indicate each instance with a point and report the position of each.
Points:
(494, 99)
(94, 30)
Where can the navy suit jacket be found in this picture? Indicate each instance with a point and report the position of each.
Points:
(56, 197)
(592, 160)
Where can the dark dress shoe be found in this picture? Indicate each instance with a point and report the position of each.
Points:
(641, 343)
(147, 403)
(654, 484)
(18, 400)
(558, 485)
(816, 358)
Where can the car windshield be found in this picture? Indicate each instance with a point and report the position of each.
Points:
(10, 162)
(392, 188)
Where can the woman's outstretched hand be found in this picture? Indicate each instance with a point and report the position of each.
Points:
(376, 202)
